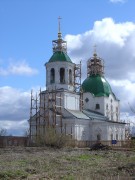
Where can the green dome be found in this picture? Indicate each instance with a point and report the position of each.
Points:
(60, 56)
(97, 85)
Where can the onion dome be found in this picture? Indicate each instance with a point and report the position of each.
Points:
(60, 56)
(97, 85)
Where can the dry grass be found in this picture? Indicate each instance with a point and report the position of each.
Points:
(65, 164)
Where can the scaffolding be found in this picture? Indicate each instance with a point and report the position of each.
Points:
(46, 111)
(95, 65)
(77, 77)
(77, 82)
(34, 113)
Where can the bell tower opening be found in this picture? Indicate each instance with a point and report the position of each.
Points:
(70, 76)
(52, 76)
(62, 75)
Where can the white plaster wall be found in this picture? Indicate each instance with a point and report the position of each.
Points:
(116, 129)
(71, 101)
(82, 130)
(99, 128)
(91, 104)
(67, 100)
(112, 114)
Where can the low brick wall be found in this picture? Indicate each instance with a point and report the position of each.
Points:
(13, 141)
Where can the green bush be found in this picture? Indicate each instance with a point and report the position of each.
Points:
(132, 145)
(52, 138)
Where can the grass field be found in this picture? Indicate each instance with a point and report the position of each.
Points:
(65, 164)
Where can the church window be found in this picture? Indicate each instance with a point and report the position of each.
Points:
(112, 116)
(111, 108)
(97, 106)
(116, 136)
(86, 100)
(116, 116)
(70, 76)
(98, 137)
(62, 75)
(111, 136)
(83, 133)
(107, 111)
(52, 76)
(111, 112)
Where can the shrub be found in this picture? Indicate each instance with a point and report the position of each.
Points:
(132, 145)
(52, 138)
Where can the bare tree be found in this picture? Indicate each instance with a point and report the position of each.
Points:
(3, 132)
(26, 132)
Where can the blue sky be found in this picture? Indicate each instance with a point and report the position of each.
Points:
(27, 28)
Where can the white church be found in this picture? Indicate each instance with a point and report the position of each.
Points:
(87, 111)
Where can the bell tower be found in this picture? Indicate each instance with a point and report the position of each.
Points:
(59, 68)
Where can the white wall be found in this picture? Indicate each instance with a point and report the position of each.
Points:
(71, 101)
(92, 101)
(81, 129)
(116, 132)
(67, 100)
(113, 111)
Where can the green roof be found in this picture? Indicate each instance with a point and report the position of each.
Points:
(60, 56)
(97, 85)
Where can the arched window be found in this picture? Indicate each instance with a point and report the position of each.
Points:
(70, 76)
(52, 76)
(112, 112)
(62, 75)
(116, 136)
(116, 116)
(111, 136)
(98, 137)
(107, 110)
(112, 108)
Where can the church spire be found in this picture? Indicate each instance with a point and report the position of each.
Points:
(59, 31)
(95, 51)
(59, 44)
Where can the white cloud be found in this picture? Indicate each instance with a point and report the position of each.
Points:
(15, 127)
(125, 91)
(18, 68)
(14, 109)
(14, 104)
(117, 1)
(115, 44)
